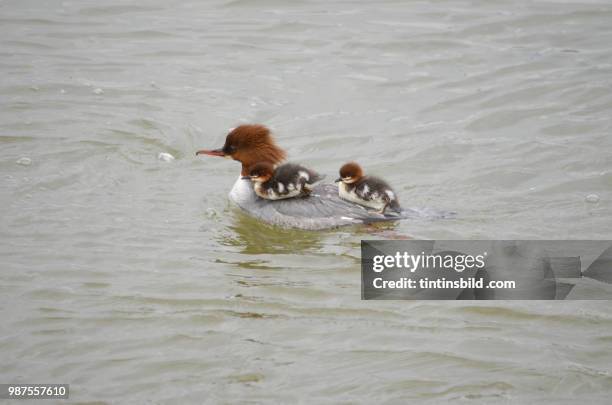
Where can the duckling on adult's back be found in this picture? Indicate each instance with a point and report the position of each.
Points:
(368, 191)
(324, 209)
(286, 181)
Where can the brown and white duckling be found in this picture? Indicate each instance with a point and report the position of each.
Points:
(368, 191)
(286, 181)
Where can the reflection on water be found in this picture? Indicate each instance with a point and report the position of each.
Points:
(251, 236)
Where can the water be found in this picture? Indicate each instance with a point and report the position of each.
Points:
(132, 278)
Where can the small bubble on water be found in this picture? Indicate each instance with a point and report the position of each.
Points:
(211, 213)
(592, 198)
(62, 91)
(165, 157)
(98, 91)
(24, 161)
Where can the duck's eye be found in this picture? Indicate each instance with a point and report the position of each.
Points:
(229, 149)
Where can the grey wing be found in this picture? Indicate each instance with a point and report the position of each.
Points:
(324, 209)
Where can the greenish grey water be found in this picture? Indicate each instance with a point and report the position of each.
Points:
(133, 279)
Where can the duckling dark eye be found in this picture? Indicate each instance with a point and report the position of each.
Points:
(229, 149)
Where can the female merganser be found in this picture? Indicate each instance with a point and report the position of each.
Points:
(368, 191)
(286, 181)
(323, 209)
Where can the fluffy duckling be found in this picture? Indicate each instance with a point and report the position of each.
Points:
(286, 181)
(368, 191)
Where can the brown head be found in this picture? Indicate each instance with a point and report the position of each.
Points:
(249, 144)
(261, 172)
(350, 173)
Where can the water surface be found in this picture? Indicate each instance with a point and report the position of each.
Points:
(133, 279)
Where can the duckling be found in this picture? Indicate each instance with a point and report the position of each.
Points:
(286, 181)
(368, 191)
